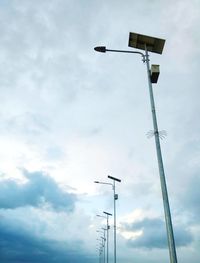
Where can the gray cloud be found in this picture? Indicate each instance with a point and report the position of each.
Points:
(49, 70)
(17, 245)
(38, 191)
(154, 234)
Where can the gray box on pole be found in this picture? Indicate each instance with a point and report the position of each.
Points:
(155, 71)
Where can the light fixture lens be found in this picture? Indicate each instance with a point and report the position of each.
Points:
(100, 49)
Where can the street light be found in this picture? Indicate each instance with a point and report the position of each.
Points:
(108, 227)
(104, 236)
(100, 249)
(115, 197)
(103, 246)
(155, 45)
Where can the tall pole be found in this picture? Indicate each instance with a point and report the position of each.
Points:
(155, 45)
(103, 241)
(104, 246)
(107, 239)
(170, 234)
(108, 227)
(115, 197)
(99, 255)
(100, 250)
(115, 241)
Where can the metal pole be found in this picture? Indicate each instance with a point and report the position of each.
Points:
(100, 255)
(115, 242)
(168, 221)
(108, 227)
(104, 255)
(107, 237)
(103, 248)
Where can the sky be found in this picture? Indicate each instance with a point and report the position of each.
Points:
(71, 116)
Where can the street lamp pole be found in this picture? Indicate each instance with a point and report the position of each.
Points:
(115, 197)
(100, 250)
(108, 227)
(103, 245)
(168, 220)
(104, 236)
(155, 45)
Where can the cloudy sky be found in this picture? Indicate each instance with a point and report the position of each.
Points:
(70, 116)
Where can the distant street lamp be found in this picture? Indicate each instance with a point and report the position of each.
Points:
(100, 249)
(103, 245)
(155, 45)
(107, 229)
(115, 197)
(104, 240)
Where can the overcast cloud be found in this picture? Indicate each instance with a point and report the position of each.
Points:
(154, 234)
(70, 116)
(39, 190)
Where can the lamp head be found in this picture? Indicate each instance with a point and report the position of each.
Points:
(96, 182)
(100, 49)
